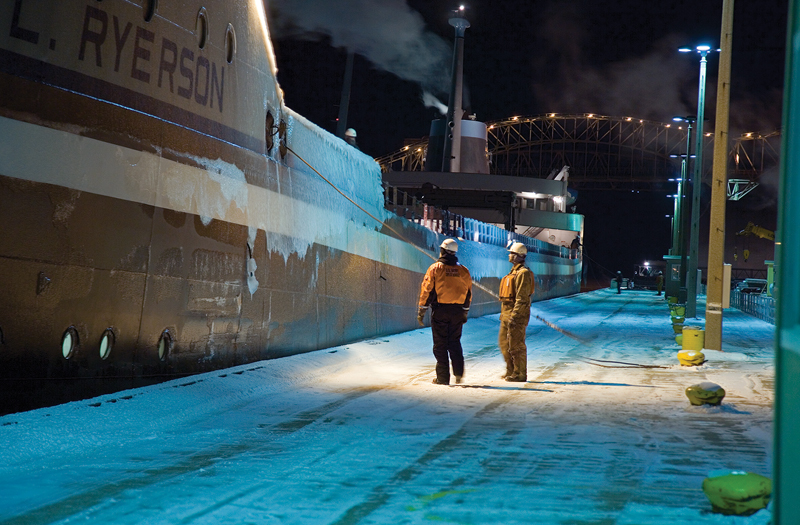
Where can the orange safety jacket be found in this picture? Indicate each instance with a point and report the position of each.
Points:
(446, 284)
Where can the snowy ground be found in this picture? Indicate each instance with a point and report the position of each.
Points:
(358, 434)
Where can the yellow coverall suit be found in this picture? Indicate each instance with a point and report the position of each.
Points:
(515, 311)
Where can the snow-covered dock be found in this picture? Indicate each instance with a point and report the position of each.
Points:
(358, 434)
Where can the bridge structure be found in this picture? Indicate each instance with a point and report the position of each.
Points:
(604, 152)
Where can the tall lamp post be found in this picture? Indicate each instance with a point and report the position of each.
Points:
(676, 207)
(697, 182)
(681, 217)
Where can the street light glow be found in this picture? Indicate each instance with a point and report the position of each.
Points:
(700, 48)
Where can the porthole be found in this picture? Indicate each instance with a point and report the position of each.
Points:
(106, 343)
(69, 342)
(201, 27)
(149, 9)
(230, 44)
(164, 345)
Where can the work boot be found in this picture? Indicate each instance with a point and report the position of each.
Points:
(458, 380)
(516, 379)
(437, 382)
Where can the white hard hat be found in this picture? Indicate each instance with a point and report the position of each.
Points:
(450, 245)
(350, 133)
(519, 249)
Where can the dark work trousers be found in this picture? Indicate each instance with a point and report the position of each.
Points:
(446, 323)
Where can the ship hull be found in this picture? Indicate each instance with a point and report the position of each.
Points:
(147, 235)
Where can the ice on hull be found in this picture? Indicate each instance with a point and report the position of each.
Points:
(180, 225)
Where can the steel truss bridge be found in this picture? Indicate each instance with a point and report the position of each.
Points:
(604, 153)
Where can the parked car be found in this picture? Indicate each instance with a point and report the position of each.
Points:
(756, 286)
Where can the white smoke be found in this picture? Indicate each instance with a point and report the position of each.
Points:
(388, 33)
(431, 101)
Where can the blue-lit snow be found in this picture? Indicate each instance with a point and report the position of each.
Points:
(358, 434)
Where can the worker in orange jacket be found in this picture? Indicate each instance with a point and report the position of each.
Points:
(516, 289)
(447, 291)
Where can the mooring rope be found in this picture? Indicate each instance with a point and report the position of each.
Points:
(596, 362)
(404, 239)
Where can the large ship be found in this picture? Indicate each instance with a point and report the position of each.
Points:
(163, 213)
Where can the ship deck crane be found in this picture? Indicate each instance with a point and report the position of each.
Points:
(752, 229)
(758, 231)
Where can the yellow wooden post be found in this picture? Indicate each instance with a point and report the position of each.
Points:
(719, 186)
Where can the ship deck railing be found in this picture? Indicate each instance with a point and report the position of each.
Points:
(452, 224)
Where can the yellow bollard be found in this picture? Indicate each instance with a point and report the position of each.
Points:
(677, 310)
(693, 338)
(691, 358)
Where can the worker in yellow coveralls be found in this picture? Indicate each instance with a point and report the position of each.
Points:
(447, 290)
(515, 311)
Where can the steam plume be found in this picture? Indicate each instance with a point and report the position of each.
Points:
(431, 101)
(388, 33)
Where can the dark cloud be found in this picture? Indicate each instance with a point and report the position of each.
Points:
(652, 86)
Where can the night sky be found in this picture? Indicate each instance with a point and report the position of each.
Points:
(532, 57)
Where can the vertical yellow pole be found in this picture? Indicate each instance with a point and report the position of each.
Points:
(719, 186)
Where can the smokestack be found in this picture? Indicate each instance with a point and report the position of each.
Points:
(451, 158)
(344, 103)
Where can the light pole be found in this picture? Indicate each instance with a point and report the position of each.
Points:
(676, 208)
(682, 218)
(697, 181)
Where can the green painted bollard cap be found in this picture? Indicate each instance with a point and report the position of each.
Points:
(737, 492)
(705, 393)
